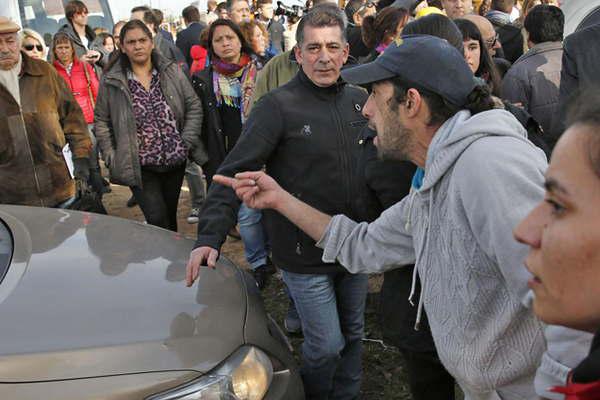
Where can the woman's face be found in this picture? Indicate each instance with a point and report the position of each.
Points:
(563, 235)
(472, 54)
(226, 44)
(259, 44)
(109, 44)
(33, 48)
(64, 53)
(137, 46)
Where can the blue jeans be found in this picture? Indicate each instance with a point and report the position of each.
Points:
(331, 308)
(253, 235)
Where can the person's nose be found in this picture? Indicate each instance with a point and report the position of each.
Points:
(529, 230)
(368, 108)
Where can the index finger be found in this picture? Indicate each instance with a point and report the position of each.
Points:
(223, 180)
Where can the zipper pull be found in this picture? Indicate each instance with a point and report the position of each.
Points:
(298, 249)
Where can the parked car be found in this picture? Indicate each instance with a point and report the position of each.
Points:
(96, 307)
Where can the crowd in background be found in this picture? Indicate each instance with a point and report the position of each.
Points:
(141, 108)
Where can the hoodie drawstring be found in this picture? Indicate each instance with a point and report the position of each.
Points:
(415, 271)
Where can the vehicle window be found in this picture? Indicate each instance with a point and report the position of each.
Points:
(6, 249)
(592, 18)
(47, 16)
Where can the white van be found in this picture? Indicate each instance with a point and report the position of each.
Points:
(47, 16)
(580, 14)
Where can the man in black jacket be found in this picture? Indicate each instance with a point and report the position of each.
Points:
(305, 132)
(190, 36)
(275, 28)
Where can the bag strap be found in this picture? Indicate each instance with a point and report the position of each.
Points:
(89, 84)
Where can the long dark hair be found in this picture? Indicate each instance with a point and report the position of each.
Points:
(487, 69)
(246, 48)
(122, 58)
(376, 27)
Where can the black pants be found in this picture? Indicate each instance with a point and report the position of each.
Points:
(159, 195)
(427, 377)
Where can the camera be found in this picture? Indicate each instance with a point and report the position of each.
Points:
(290, 11)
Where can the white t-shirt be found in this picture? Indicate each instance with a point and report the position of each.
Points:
(85, 41)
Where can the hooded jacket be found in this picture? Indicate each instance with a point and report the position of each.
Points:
(481, 179)
(115, 125)
(32, 136)
(80, 49)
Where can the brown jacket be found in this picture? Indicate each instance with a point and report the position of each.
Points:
(32, 168)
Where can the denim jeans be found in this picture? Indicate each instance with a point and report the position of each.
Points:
(254, 236)
(331, 308)
(193, 175)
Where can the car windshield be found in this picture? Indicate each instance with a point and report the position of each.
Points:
(47, 16)
(6, 249)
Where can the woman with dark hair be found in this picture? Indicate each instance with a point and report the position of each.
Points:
(379, 30)
(477, 56)
(226, 87)
(564, 241)
(148, 122)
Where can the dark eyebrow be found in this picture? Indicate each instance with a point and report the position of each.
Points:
(552, 185)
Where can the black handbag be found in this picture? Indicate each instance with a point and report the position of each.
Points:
(86, 199)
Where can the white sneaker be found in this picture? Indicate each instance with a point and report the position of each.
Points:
(193, 217)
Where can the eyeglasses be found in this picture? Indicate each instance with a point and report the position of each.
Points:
(490, 43)
(30, 47)
(368, 4)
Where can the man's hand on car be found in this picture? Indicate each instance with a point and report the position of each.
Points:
(199, 256)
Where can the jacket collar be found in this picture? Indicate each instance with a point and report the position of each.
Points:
(322, 91)
(31, 67)
(541, 48)
(117, 73)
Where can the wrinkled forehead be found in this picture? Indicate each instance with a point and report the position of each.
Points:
(323, 35)
(9, 36)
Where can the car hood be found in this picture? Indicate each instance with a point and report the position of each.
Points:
(92, 295)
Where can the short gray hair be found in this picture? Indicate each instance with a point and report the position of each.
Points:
(326, 14)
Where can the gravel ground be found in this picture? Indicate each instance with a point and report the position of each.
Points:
(383, 376)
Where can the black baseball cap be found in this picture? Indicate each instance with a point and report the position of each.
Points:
(425, 61)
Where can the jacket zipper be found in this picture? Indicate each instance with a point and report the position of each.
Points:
(345, 163)
(35, 177)
(132, 150)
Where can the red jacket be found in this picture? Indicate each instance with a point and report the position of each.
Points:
(78, 83)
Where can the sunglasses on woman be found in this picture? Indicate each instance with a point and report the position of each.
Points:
(30, 47)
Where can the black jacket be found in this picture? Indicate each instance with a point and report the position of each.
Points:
(189, 37)
(212, 130)
(305, 135)
(589, 369)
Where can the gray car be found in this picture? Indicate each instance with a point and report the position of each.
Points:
(95, 307)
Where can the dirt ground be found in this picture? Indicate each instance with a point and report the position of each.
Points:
(383, 376)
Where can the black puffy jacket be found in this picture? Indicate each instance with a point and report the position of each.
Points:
(307, 138)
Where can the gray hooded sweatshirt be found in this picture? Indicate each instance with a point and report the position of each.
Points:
(482, 176)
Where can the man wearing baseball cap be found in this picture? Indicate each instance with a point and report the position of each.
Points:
(478, 176)
(38, 117)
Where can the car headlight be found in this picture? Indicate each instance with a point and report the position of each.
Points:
(245, 375)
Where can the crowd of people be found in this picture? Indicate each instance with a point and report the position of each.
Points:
(403, 137)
